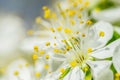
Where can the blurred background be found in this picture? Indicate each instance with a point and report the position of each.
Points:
(18, 16)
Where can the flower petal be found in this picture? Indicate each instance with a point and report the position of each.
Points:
(116, 58)
(94, 40)
(105, 75)
(23, 71)
(107, 51)
(110, 15)
(75, 74)
(98, 66)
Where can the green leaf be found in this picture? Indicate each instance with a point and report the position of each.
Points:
(116, 36)
(67, 70)
(88, 75)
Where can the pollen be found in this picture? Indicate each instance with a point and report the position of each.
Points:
(73, 63)
(87, 3)
(47, 14)
(90, 50)
(42, 52)
(83, 35)
(52, 29)
(71, 13)
(72, 22)
(37, 74)
(38, 20)
(30, 32)
(56, 50)
(44, 7)
(16, 73)
(59, 28)
(67, 30)
(34, 56)
(81, 21)
(46, 66)
(26, 64)
(79, 15)
(47, 43)
(75, 4)
(36, 48)
(97, 10)
(89, 22)
(62, 70)
(55, 44)
(47, 56)
(101, 34)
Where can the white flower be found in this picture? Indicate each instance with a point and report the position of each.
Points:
(93, 45)
(11, 33)
(21, 69)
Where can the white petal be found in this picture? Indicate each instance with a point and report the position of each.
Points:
(110, 15)
(75, 74)
(10, 35)
(105, 75)
(107, 51)
(19, 65)
(93, 39)
(116, 58)
(98, 66)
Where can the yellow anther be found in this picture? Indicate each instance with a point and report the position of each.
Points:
(37, 74)
(47, 43)
(56, 50)
(47, 14)
(44, 7)
(73, 63)
(30, 32)
(67, 30)
(77, 32)
(62, 70)
(46, 66)
(117, 75)
(79, 15)
(54, 16)
(59, 28)
(38, 20)
(75, 4)
(16, 73)
(52, 29)
(72, 22)
(47, 56)
(64, 41)
(101, 34)
(26, 64)
(55, 37)
(55, 44)
(89, 22)
(89, 50)
(81, 21)
(36, 48)
(68, 48)
(87, 3)
(81, 8)
(42, 52)
(97, 10)
(71, 13)
(34, 56)
(83, 35)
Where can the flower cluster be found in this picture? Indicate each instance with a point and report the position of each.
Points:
(76, 48)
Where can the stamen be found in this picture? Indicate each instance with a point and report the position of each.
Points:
(16, 73)
(101, 34)
(37, 74)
